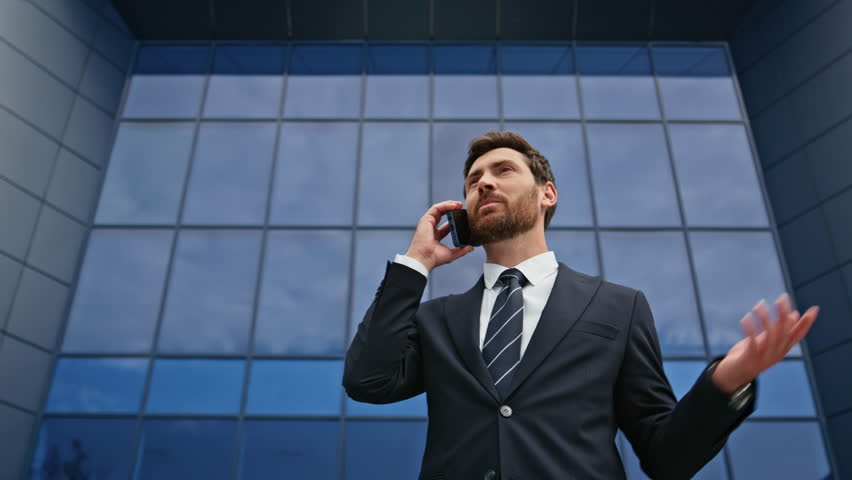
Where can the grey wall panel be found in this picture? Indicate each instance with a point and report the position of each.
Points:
(15, 424)
(831, 369)
(89, 131)
(790, 183)
(38, 309)
(23, 373)
(114, 43)
(27, 154)
(102, 83)
(75, 16)
(74, 186)
(56, 244)
(10, 271)
(828, 158)
(18, 213)
(833, 325)
(809, 235)
(838, 213)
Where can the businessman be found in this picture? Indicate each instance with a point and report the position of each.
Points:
(530, 373)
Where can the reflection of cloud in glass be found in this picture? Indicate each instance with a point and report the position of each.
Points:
(97, 385)
(577, 250)
(118, 296)
(209, 304)
(539, 96)
(196, 386)
(657, 264)
(323, 96)
(302, 308)
(465, 96)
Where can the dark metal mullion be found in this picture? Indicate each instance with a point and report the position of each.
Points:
(770, 214)
(430, 85)
(152, 355)
(702, 323)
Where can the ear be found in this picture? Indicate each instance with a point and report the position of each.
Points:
(550, 195)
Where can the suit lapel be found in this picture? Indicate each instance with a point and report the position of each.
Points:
(463, 323)
(568, 300)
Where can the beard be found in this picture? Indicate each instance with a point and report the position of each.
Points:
(519, 217)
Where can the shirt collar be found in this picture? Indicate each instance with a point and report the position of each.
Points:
(535, 269)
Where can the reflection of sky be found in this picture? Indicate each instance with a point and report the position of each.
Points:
(577, 250)
(246, 81)
(145, 176)
(656, 263)
(778, 450)
(209, 304)
(107, 444)
(118, 295)
(321, 96)
(97, 385)
(199, 386)
(295, 387)
(384, 449)
(632, 176)
(305, 287)
(187, 449)
(302, 448)
(465, 96)
(539, 96)
(397, 96)
(163, 96)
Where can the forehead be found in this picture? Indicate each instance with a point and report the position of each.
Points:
(498, 155)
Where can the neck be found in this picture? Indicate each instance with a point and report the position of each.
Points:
(512, 251)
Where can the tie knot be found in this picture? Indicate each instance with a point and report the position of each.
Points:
(512, 276)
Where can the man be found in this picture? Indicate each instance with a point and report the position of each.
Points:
(530, 373)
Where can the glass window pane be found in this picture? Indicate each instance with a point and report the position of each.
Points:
(459, 276)
(576, 250)
(118, 296)
(734, 271)
(196, 386)
(450, 142)
(465, 81)
(537, 82)
(97, 385)
(246, 81)
(302, 308)
(717, 178)
(295, 387)
(181, 449)
(384, 449)
(783, 451)
(657, 264)
(562, 144)
(683, 374)
(394, 164)
(315, 157)
(784, 391)
(324, 82)
(632, 176)
(397, 82)
(211, 294)
(167, 82)
(230, 174)
(145, 177)
(696, 83)
(299, 448)
(84, 448)
(617, 83)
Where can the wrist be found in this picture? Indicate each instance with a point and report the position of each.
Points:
(726, 379)
(426, 264)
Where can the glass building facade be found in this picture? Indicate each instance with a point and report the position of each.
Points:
(255, 191)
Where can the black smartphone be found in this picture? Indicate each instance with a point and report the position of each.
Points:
(459, 228)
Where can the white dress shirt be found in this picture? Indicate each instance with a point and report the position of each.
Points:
(541, 275)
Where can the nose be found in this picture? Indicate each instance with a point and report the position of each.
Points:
(486, 182)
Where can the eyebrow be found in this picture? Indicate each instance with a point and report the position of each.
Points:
(494, 165)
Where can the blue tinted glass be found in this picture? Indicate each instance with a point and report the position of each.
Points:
(297, 448)
(536, 82)
(394, 164)
(695, 83)
(657, 264)
(450, 142)
(711, 159)
(295, 387)
(196, 386)
(118, 295)
(230, 174)
(459, 276)
(145, 178)
(398, 81)
(783, 451)
(97, 385)
(398, 60)
(576, 250)
(617, 83)
(182, 449)
(84, 448)
(413, 407)
(374, 248)
(632, 176)
(734, 271)
(246, 81)
(562, 144)
(784, 391)
(384, 449)
(315, 157)
(683, 374)
(465, 83)
(172, 60)
(303, 301)
(324, 82)
(209, 304)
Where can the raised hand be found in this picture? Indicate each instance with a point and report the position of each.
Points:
(758, 351)
(426, 246)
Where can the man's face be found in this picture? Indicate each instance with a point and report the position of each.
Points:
(503, 200)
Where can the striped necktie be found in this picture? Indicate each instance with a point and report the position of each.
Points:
(501, 349)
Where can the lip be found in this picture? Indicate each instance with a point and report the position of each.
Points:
(489, 202)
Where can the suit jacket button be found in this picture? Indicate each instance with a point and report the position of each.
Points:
(490, 475)
(506, 411)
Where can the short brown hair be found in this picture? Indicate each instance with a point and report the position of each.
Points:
(537, 162)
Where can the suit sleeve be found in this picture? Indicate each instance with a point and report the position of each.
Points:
(672, 440)
(383, 362)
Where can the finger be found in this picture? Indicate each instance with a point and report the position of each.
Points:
(782, 306)
(781, 326)
(800, 329)
(747, 324)
(761, 311)
(439, 209)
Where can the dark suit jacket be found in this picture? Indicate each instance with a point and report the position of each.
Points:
(593, 365)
